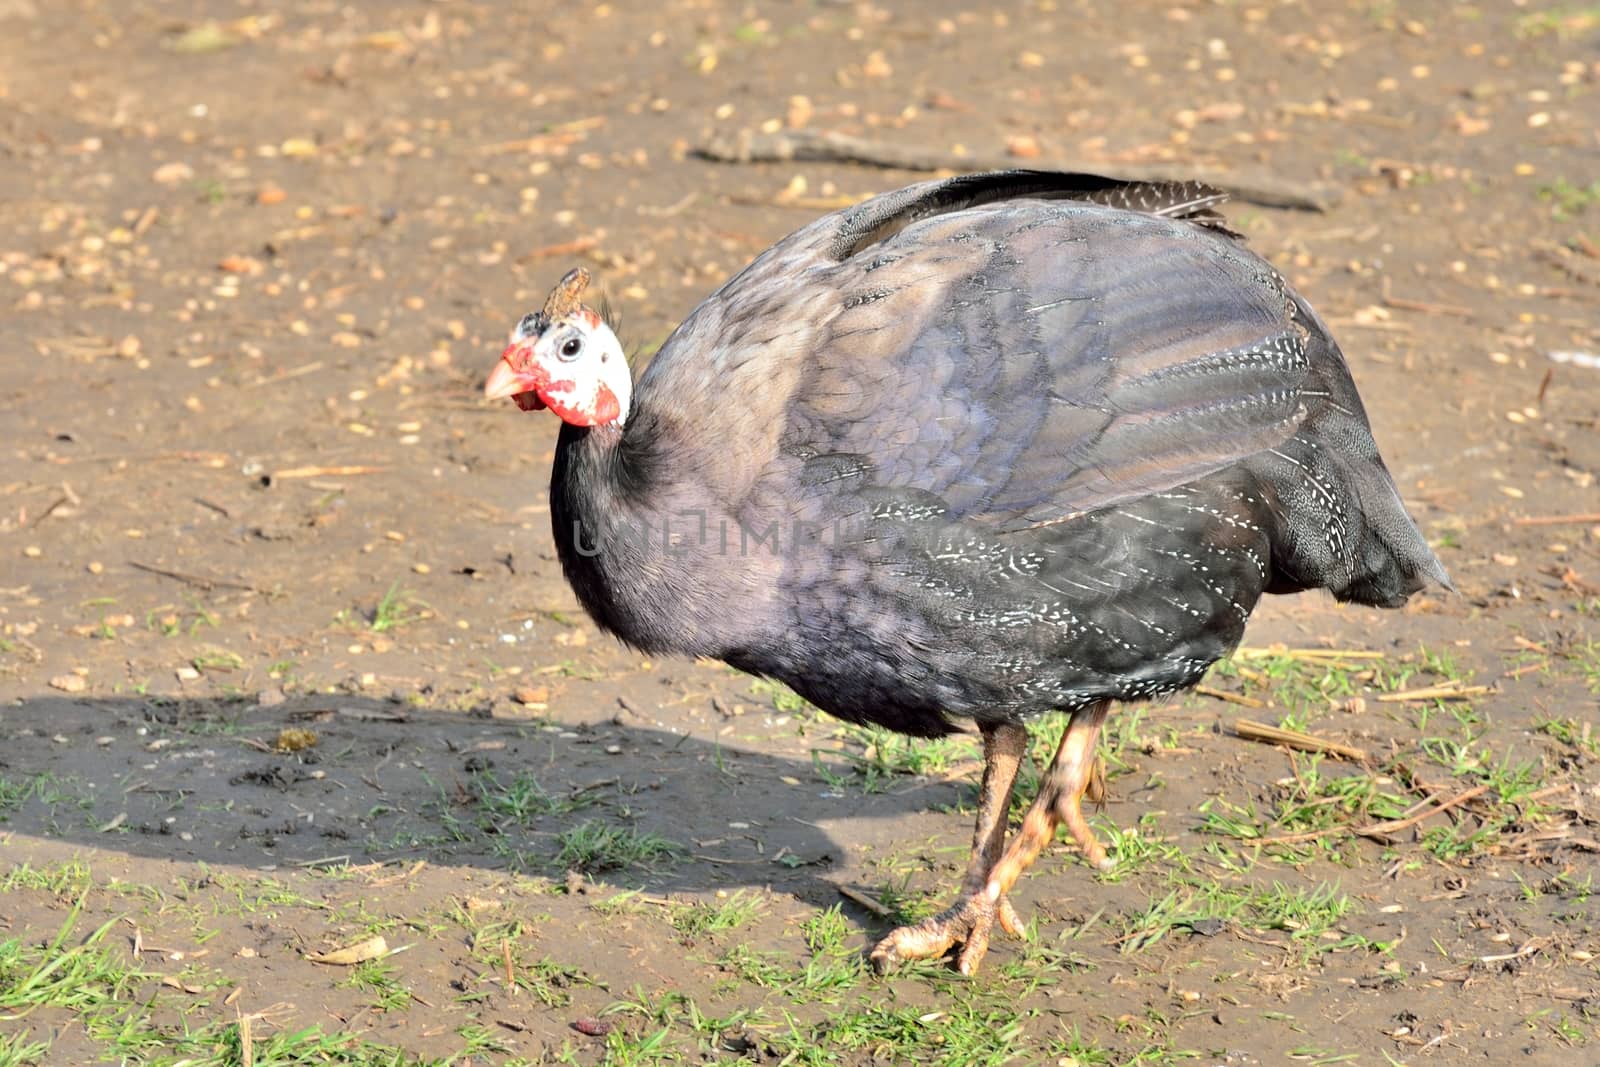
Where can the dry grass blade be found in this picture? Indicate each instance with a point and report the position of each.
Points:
(1580, 519)
(875, 906)
(1382, 829)
(1231, 698)
(1448, 691)
(350, 955)
(1250, 730)
(324, 472)
(1310, 655)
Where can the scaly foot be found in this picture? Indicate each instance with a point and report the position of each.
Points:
(968, 923)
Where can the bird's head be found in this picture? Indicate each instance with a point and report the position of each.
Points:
(565, 358)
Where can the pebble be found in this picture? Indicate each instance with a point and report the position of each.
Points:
(69, 683)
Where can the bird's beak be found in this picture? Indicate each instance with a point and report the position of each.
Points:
(506, 380)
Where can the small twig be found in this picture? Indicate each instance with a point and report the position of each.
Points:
(961, 770)
(324, 472)
(47, 512)
(670, 209)
(306, 368)
(197, 580)
(1583, 518)
(564, 248)
(825, 146)
(1382, 829)
(1318, 654)
(1231, 698)
(247, 1047)
(876, 907)
(511, 971)
(1452, 691)
(1538, 944)
(1395, 825)
(1526, 668)
(1428, 308)
(410, 872)
(1250, 730)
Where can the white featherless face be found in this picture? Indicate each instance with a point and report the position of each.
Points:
(565, 358)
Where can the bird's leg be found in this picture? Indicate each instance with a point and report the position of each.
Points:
(971, 918)
(1059, 801)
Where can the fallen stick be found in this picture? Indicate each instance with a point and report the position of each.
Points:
(1400, 303)
(565, 248)
(1558, 520)
(1526, 668)
(865, 901)
(1250, 730)
(825, 146)
(1272, 651)
(1381, 829)
(197, 580)
(1437, 692)
(1231, 698)
(308, 368)
(325, 472)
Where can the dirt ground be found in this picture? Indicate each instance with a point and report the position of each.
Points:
(287, 664)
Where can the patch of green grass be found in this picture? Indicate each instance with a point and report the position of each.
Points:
(964, 1032)
(727, 913)
(906, 905)
(596, 846)
(1075, 1048)
(395, 610)
(522, 800)
(1205, 907)
(13, 793)
(170, 622)
(835, 965)
(381, 978)
(764, 969)
(49, 791)
(1565, 22)
(19, 1050)
(1125, 732)
(130, 1016)
(69, 878)
(1137, 848)
(1310, 801)
(1298, 681)
(784, 700)
(218, 659)
(884, 755)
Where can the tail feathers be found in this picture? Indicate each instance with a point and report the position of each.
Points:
(1387, 559)
(1396, 560)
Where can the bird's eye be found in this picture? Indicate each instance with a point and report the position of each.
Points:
(571, 348)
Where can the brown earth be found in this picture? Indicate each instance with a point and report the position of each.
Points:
(255, 261)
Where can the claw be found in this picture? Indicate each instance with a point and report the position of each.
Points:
(968, 922)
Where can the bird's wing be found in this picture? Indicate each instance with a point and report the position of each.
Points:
(1024, 357)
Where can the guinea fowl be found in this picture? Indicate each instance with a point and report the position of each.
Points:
(976, 449)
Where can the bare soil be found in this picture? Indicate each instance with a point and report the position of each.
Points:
(286, 661)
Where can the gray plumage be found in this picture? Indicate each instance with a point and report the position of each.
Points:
(981, 448)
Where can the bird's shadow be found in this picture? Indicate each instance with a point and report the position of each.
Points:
(331, 779)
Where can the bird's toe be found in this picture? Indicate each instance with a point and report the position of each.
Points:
(1010, 921)
(968, 923)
